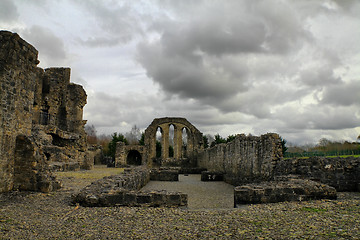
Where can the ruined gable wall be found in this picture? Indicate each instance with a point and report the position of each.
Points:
(245, 159)
(194, 143)
(18, 79)
(42, 106)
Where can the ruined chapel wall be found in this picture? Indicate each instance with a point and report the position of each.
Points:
(341, 173)
(194, 144)
(26, 92)
(245, 159)
(18, 79)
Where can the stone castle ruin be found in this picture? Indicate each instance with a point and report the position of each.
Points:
(41, 125)
(185, 156)
(42, 130)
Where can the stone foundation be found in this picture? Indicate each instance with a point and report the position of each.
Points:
(280, 191)
(164, 174)
(341, 173)
(123, 190)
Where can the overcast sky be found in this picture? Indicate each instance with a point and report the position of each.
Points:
(290, 67)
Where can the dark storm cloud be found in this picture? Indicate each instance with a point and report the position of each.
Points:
(345, 94)
(47, 43)
(206, 57)
(8, 11)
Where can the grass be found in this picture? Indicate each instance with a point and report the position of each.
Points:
(341, 156)
(312, 209)
(99, 171)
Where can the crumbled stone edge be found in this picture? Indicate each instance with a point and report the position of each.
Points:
(279, 191)
(124, 190)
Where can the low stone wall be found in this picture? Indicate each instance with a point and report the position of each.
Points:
(123, 190)
(340, 173)
(164, 174)
(280, 191)
(246, 159)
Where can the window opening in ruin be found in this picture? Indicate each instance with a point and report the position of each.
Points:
(158, 142)
(133, 158)
(24, 153)
(45, 87)
(171, 140)
(44, 117)
(62, 118)
(185, 137)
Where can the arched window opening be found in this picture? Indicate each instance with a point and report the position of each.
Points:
(171, 140)
(133, 158)
(158, 142)
(184, 136)
(185, 139)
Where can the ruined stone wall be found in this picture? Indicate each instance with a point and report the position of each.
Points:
(123, 155)
(41, 106)
(244, 160)
(341, 173)
(18, 75)
(181, 157)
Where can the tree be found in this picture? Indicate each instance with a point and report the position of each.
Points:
(283, 146)
(158, 149)
(206, 142)
(230, 138)
(142, 139)
(112, 144)
(134, 135)
(91, 134)
(218, 140)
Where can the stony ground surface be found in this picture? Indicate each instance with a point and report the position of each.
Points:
(50, 216)
(201, 195)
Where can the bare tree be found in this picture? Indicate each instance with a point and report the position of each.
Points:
(134, 135)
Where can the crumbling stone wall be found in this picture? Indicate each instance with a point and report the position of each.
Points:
(125, 190)
(130, 155)
(40, 105)
(194, 142)
(244, 160)
(341, 173)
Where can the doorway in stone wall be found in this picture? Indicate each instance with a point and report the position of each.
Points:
(24, 177)
(134, 158)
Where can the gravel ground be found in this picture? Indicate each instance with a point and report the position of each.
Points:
(201, 195)
(50, 216)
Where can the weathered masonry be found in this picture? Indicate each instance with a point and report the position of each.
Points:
(183, 155)
(246, 159)
(41, 125)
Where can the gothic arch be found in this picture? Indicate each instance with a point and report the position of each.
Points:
(194, 140)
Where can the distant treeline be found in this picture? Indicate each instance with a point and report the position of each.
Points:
(325, 147)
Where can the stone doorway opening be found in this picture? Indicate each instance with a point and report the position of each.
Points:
(134, 158)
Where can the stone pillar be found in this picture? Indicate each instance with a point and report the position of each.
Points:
(177, 142)
(165, 141)
(190, 144)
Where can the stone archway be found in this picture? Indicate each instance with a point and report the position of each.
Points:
(134, 158)
(194, 139)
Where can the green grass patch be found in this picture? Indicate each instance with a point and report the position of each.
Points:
(98, 172)
(312, 209)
